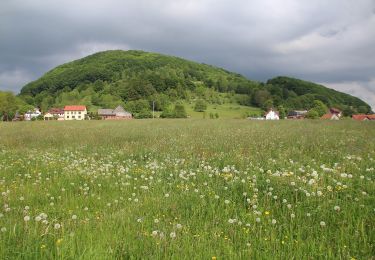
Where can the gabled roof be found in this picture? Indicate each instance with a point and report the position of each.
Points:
(362, 117)
(119, 109)
(334, 110)
(329, 116)
(74, 108)
(106, 112)
(56, 111)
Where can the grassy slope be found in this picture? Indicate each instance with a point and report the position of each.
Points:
(54, 162)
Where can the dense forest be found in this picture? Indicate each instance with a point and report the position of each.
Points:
(136, 79)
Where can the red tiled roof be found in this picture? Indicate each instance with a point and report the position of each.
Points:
(74, 108)
(361, 117)
(327, 116)
(56, 111)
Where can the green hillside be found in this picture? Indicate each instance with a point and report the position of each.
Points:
(136, 79)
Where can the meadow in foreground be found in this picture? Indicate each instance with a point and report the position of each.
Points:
(187, 189)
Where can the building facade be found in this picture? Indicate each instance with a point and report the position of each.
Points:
(75, 112)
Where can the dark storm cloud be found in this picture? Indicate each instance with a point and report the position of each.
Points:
(331, 42)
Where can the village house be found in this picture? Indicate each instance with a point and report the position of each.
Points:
(272, 115)
(334, 114)
(330, 116)
(29, 115)
(297, 114)
(54, 114)
(119, 113)
(363, 117)
(75, 112)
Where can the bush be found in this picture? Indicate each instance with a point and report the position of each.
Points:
(200, 106)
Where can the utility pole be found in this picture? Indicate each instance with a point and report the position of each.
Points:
(153, 109)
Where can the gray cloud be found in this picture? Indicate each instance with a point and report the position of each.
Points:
(323, 41)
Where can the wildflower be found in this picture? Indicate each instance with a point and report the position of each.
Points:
(59, 241)
(154, 233)
(257, 220)
(172, 235)
(274, 221)
(74, 217)
(156, 221)
(3, 229)
(26, 218)
(178, 226)
(57, 226)
(292, 215)
(337, 208)
(322, 224)
(38, 218)
(267, 213)
(226, 201)
(231, 221)
(308, 214)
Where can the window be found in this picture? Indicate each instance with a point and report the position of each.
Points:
(79, 112)
(67, 116)
(79, 117)
(74, 117)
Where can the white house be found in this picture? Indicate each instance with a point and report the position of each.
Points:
(75, 112)
(272, 115)
(32, 114)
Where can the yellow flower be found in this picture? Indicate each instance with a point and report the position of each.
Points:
(213, 258)
(267, 212)
(42, 246)
(58, 242)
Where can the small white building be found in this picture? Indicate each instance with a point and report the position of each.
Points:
(272, 115)
(29, 115)
(75, 112)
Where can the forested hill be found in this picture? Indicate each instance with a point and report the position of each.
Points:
(109, 78)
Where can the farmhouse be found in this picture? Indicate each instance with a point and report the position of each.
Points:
(118, 113)
(297, 114)
(272, 115)
(330, 116)
(335, 111)
(363, 117)
(54, 113)
(29, 115)
(75, 112)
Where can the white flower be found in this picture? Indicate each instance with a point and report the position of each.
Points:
(57, 226)
(154, 233)
(322, 224)
(289, 206)
(172, 235)
(156, 221)
(292, 215)
(166, 195)
(178, 226)
(139, 220)
(308, 214)
(337, 208)
(3, 229)
(226, 201)
(26, 218)
(38, 218)
(74, 217)
(257, 220)
(231, 221)
(274, 221)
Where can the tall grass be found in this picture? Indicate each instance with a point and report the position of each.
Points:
(187, 189)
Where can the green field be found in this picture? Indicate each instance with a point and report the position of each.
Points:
(187, 189)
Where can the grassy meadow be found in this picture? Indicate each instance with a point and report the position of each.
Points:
(187, 189)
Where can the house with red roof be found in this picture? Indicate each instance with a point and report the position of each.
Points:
(75, 112)
(363, 117)
(330, 116)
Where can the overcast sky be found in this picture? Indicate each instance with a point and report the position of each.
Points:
(326, 41)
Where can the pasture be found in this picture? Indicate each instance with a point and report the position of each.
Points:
(187, 189)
